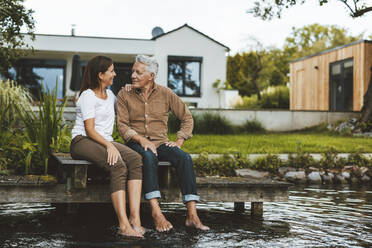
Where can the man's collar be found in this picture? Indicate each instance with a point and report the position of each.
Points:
(155, 87)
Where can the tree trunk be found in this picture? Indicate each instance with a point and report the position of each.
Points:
(367, 103)
(256, 75)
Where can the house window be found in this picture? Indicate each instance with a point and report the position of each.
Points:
(32, 72)
(184, 74)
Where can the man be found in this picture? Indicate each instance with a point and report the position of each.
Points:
(142, 117)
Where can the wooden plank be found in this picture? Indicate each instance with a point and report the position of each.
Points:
(222, 191)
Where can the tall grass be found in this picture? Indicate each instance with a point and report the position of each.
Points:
(14, 100)
(45, 128)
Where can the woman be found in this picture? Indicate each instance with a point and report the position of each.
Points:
(92, 140)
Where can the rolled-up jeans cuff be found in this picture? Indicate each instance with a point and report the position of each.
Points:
(152, 195)
(187, 198)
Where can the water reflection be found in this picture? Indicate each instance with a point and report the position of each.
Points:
(313, 217)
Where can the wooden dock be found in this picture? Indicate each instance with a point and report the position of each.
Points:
(76, 189)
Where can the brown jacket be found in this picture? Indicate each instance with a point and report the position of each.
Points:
(150, 119)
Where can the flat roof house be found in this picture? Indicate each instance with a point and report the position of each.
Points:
(333, 80)
(189, 62)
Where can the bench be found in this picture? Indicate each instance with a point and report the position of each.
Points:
(76, 171)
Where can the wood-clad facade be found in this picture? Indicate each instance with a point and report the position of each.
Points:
(333, 80)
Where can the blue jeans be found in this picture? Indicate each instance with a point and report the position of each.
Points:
(179, 159)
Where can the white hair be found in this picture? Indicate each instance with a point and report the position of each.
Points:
(150, 62)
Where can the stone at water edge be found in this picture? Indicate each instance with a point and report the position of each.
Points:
(366, 179)
(293, 176)
(346, 175)
(314, 177)
(328, 177)
(339, 178)
(251, 173)
(283, 170)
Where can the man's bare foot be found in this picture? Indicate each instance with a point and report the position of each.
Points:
(194, 221)
(161, 223)
(128, 231)
(136, 225)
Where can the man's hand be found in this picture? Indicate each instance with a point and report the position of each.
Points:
(147, 144)
(178, 143)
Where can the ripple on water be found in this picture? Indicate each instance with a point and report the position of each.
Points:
(313, 217)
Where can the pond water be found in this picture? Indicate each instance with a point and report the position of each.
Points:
(314, 216)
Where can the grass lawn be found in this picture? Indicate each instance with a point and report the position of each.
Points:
(275, 143)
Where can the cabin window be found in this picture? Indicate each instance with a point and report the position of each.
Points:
(184, 75)
(341, 85)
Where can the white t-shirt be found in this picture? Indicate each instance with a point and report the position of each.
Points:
(103, 111)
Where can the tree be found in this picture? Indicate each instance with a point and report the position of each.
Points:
(315, 38)
(268, 9)
(13, 17)
(246, 72)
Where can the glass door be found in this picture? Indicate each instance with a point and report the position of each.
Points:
(341, 85)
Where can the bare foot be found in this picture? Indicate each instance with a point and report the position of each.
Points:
(161, 223)
(128, 231)
(195, 222)
(136, 225)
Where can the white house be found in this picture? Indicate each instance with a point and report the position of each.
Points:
(189, 62)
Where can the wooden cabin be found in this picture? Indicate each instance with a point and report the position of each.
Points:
(332, 80)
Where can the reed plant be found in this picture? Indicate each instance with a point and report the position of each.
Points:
(45, 127)
(15, 100)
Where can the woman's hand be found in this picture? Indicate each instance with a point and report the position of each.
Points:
(128, 87)
(112, 154)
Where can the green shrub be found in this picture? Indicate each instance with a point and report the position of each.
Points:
(251, 127)
(276, 97)
(45, 128)
(330, 160)
(223, 166)
(301, 160)
(357, 159)
(214, 123)
(269, 163)
(211, 123)
(248, 102)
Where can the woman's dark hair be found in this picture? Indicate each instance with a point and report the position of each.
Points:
(94, 67)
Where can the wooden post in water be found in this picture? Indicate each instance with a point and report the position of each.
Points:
(164, 174)
(79, 176)
(239, 207)
(257, 209)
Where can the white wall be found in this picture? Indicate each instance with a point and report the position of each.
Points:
(281, 120)
(187, 42)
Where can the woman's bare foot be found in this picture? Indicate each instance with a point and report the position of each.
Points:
(194, 221)
(128, 231)
(161, 223)
(136, 225)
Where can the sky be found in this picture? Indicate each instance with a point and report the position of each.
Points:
(226, 21)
